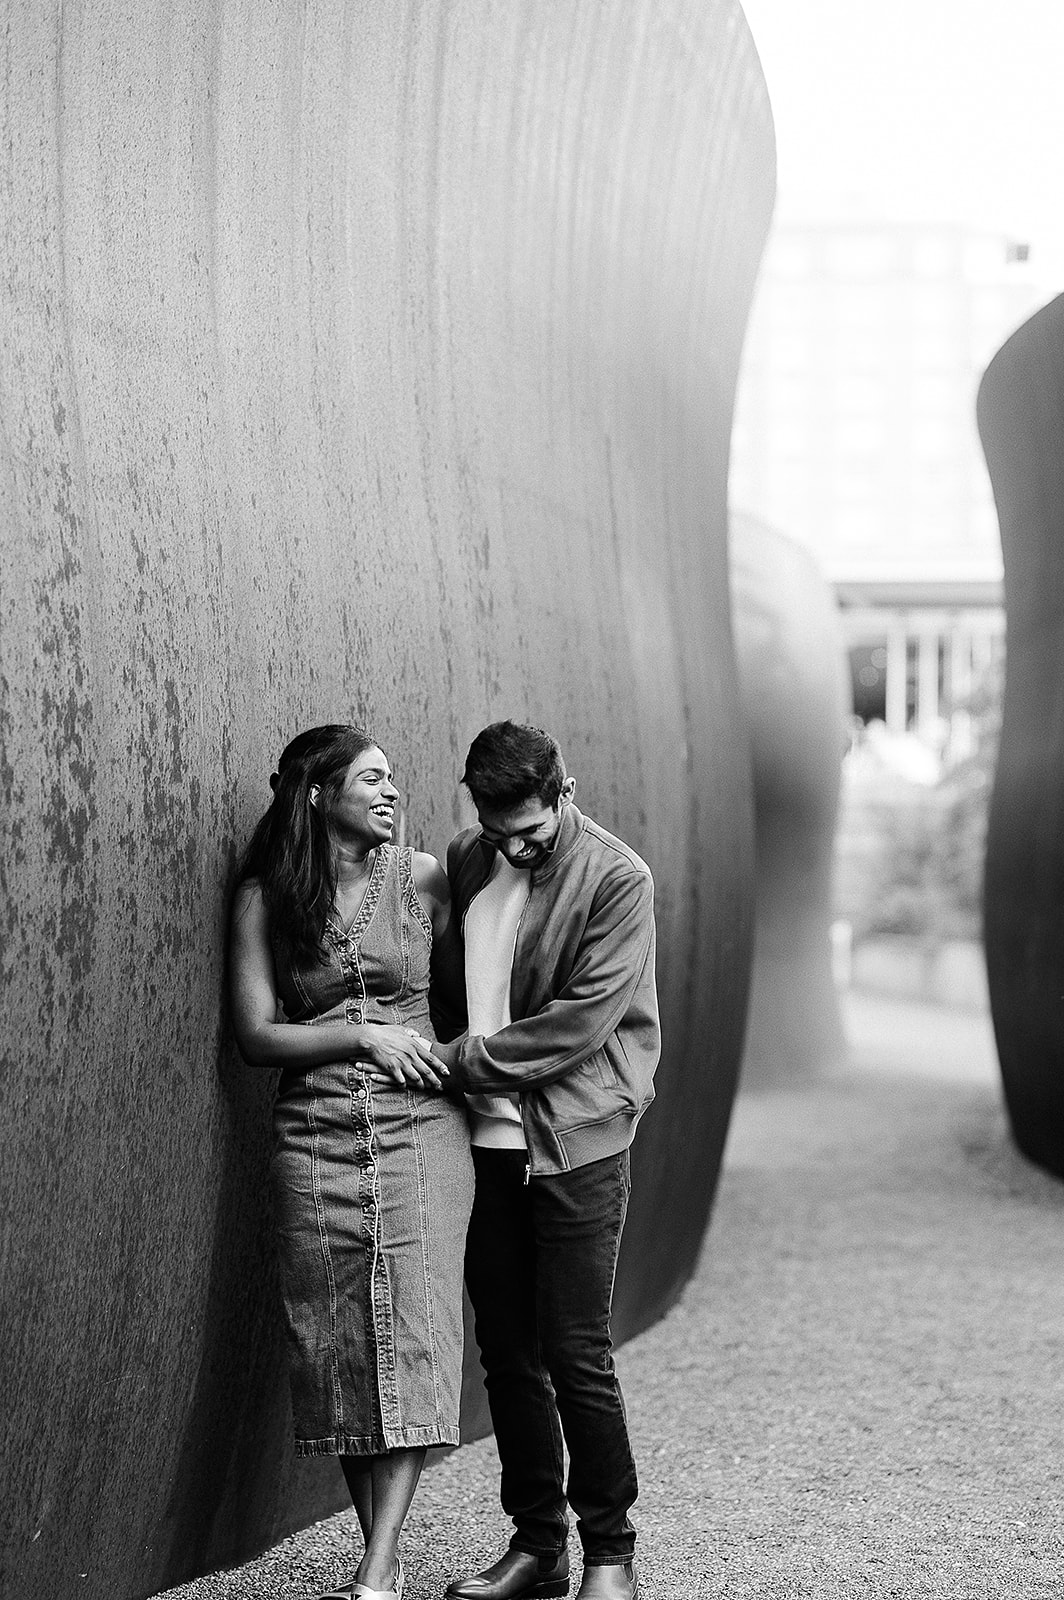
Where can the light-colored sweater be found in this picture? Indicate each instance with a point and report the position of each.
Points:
(490, 933)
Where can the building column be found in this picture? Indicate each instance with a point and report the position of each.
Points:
(896, 668)
(959, 745)
(928, 711)
(982, 650)
(960, 662)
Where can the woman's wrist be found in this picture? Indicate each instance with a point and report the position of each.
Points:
(355, 1040)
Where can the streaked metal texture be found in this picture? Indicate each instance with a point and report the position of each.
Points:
(795, 697)
(366, 361)
(1021, 422)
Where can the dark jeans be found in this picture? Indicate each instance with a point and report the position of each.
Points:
(540, 1263)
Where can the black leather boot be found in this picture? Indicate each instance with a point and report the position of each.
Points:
(518, 1576)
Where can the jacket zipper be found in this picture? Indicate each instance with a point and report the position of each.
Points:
(513, 958)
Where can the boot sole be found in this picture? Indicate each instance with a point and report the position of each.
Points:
(553, 1590)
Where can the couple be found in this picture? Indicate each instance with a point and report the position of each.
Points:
(508, 1005)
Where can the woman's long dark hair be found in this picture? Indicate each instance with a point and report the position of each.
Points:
(291, 851)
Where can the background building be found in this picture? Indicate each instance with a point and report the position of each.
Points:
(855, 433)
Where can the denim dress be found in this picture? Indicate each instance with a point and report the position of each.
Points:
(372, 1192)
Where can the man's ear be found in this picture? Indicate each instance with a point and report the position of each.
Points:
(315, 790)
(568, 790)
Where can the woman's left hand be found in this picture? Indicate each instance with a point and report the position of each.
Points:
(379, 1075)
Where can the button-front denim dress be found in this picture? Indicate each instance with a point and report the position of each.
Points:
(372, 1191)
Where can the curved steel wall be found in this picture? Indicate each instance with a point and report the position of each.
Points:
(795, 698)
(359, 360)
(1021, 421)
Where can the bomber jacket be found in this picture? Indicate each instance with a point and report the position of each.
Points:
(584, 1039)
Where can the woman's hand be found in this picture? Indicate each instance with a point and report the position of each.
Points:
(399, 1055)
(448, 1053)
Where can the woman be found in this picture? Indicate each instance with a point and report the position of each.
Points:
(335, 927)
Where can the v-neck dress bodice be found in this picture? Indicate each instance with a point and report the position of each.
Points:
(377, 970)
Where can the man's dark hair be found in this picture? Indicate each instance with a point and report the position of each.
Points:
(509, 764)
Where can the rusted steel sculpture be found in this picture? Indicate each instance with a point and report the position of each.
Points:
(1021, 422)
(359, 362)
(795, 698)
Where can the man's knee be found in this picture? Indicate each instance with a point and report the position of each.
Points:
(578, 1362)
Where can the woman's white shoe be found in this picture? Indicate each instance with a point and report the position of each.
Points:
(360, 1591)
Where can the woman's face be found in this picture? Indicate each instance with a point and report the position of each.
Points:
(364, 810)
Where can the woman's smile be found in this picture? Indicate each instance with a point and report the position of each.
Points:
(366, 803)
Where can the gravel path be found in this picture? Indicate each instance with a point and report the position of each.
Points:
(861, 1392)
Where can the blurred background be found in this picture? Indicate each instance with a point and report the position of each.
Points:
(381, 362)
(917, 226)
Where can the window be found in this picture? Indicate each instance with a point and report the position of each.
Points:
(858, 255)
(984, 259)
(933, 256)
(859, 394)
(859, 438)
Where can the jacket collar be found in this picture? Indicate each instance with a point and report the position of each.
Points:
(570, 828)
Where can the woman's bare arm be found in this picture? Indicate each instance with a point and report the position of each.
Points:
(447, 988)
(265, 1041)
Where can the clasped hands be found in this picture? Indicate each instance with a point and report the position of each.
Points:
(402, 1056)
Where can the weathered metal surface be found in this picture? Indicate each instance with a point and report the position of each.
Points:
(795, 699)
(366, 361)
(1021, 421)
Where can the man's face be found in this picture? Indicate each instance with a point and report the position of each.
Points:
(525, 834)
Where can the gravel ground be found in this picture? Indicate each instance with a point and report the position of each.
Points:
(861, 1392)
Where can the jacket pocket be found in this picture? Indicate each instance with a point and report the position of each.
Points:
(601, 1068)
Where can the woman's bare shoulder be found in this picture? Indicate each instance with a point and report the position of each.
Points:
(430, 878)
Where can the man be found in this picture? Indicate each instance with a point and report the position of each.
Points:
(558, 928)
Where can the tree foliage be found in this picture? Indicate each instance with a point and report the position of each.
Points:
(930, 877)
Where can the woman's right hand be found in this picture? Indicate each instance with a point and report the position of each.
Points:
(399, 1054)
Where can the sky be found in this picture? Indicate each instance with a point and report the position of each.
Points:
(945, 110)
